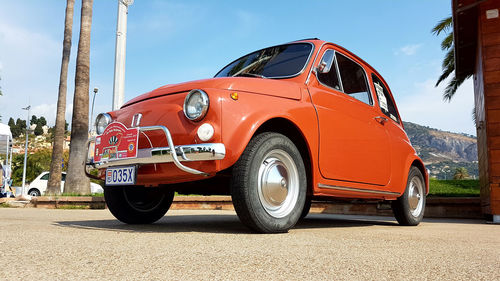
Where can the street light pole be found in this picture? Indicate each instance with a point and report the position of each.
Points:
(26, 147)
(92, 111)
(120, 48)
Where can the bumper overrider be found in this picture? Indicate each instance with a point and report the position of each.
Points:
(172, 153)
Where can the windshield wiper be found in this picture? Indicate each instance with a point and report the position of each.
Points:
(248, 74)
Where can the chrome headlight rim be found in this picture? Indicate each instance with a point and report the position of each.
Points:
(205, 104)
(107, 119)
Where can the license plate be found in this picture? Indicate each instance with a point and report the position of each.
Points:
(120, 175)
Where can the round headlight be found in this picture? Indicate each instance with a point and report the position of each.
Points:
(196, 105)
(101, 122)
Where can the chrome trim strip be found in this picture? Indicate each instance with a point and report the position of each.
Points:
(336, 71)
(370, 94)
(314, 62)
(367, 81)
(343, 188)
(187, 153)
(193, 152)
(136, 120)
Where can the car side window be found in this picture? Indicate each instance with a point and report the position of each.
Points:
(353, 79)
(329, 78)
(384, 99)
(45, 177)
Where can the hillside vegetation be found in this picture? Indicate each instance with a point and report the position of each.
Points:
(444, 152)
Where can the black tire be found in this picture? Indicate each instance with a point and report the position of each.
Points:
(307, 208)
(34, 192)
(409, 208)
(138, 205)
(274, 205)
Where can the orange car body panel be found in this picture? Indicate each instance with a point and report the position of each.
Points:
(347, 147)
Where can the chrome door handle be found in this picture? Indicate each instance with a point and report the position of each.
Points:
(381, 119)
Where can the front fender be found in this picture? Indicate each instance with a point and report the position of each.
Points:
(241, 118)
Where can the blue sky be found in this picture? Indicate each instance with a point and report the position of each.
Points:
(174, 41)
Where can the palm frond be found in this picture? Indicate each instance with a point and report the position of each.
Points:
(450, 90)
(444, 75)
(449, 60)
(452, 87)
(447, 42)
(443, 26)
(448, 66)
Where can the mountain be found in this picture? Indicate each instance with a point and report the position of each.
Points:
(443, 152)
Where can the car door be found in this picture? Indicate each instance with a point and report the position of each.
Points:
(393, 125)
(354, 146)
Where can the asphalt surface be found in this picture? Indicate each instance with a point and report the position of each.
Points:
(43, 244)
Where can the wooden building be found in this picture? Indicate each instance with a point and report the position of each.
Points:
(476, 31)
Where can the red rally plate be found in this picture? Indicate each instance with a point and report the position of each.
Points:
(116, 142)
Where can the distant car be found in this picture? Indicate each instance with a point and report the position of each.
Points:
(38, 186)
(277, 128)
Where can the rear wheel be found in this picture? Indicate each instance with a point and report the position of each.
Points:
(409, 208)
(34, 192)
(138, 205)
(268, 187)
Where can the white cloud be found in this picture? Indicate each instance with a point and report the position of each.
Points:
(408, 50)
(46, 110)
(424, 105)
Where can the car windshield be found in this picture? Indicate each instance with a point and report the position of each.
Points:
(274, 62)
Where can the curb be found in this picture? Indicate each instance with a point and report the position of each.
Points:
(437, 207)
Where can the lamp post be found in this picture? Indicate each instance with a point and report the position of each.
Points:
(92, 111)
(26, 147)
(120, 48)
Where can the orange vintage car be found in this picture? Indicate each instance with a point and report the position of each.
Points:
(275, 129)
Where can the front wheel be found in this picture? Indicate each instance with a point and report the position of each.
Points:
(409, 207)
(138, 205)
(269, 184)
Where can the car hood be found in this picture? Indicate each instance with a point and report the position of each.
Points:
(272, 87)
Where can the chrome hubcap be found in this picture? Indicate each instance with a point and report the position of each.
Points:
(278, 183)
(415, 196)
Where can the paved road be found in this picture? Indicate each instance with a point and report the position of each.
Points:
(40, 244)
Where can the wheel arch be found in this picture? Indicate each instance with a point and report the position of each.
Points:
(34, 188)
(289, 129)
(420, 165)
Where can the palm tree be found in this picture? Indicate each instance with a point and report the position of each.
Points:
(76, 181)
(54, 183)
(448, 66)
(461, 173)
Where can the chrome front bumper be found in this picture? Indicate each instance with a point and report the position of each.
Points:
(172, 153)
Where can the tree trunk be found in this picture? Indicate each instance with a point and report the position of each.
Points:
(54, 183)
(76, 181)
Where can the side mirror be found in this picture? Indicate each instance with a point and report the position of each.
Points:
(321, 67)
(326, 62)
